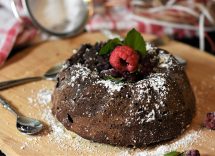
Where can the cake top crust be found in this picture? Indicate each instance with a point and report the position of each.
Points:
(154, 87)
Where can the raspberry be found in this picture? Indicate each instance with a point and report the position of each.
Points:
(210, 121)
(192, 153)
(124, 58)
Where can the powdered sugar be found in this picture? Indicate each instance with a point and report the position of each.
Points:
(74, 51)
(24, 146)
(180, 144)
(148, 46)
(43, 97)
(83, 72)
(165, 61)
(157, 82)
(58, 134)
(141, 90)
(110, 85)
(150, 116)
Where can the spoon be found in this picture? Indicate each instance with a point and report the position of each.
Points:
(49, 75)
(24, 124)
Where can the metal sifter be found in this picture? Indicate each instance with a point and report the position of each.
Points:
(56, 17)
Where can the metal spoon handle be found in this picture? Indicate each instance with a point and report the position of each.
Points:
(12, 83)
(7, 106)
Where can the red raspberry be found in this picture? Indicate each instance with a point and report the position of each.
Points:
(210, 120)
(124, 58)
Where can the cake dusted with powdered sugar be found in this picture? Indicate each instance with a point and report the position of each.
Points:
(123, 97)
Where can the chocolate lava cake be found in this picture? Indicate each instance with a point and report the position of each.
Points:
(122, 97)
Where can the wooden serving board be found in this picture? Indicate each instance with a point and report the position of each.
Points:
(37, 59)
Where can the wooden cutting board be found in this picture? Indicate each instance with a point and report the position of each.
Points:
(37, 59)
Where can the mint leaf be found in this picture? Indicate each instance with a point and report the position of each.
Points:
(173, 153)
(135, 40)
(109, 46)
(117, 80)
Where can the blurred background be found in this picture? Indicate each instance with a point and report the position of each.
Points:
(24, 23)
(188, 21)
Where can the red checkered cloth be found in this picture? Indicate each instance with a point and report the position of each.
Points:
(178, 18)
(12, 32)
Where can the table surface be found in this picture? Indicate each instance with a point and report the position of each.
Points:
(37, 59)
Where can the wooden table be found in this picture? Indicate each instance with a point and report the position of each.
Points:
(37, 59)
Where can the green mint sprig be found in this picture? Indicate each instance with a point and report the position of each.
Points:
(114, 79)
(174, 153)
(109, 46)
(133, 39)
